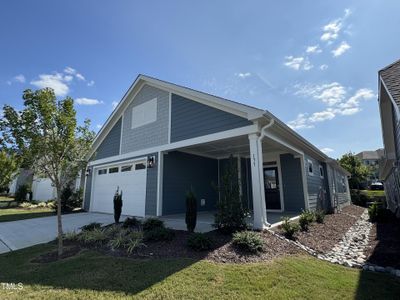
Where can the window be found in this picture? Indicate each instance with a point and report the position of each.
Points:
(113, 170)
(102, 171)
(321, 171)
(140, 166)
(145, 113)
(310, 167)
(126, 168)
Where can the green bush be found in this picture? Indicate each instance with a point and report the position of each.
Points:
(21, 193)
(71, 236)
(306, 218)
(119, 239)
(91, 226)
(96, 236)
(378, 213)
(230, 215)
(131, 222)
(199, 242)
(319, 216)
(134, 241)
(289, 228)
(152, 223)
(249, 241)
(117, 201)
(159, 234)
(191, 211)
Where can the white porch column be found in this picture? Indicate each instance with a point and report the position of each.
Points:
(257, 180)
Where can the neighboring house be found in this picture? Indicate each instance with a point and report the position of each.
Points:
(389, 102)
(163, 139)
(371, 159)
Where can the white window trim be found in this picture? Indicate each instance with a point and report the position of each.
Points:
(321, 174)
(151, 105)
(309, 162)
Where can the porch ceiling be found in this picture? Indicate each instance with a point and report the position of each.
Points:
(232, 146)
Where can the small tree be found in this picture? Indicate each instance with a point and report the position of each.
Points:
(354, 165)
(8, 168)
(191, 211)
(231, 215)
(46, 135)
(117, 206)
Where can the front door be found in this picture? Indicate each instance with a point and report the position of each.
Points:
(272, 194)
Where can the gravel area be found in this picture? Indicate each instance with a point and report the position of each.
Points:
(384, 244)
(323, 237)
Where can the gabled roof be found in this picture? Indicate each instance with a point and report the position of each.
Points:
(391, 78)
(377, 154)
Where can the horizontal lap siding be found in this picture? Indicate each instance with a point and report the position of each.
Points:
(149, 135)
(111, 143)
(184, 171)
(292, 183)
(317, 186)
(191, 119)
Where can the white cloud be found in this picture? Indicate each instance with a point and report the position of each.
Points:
(69, 70)
(343, 47)
(20, 78)
(80, 76)
(68, 78)
(87, 101)
(90, 83)
(55, 81)
(327, 150)
(332, 30)
(334, 96)
(297, 63)
(243, 75)
(114, 104)
(313, 49)
(98, 126)
(323, 67)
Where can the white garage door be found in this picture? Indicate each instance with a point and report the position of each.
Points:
(128, 177)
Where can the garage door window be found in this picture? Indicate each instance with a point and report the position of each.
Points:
(102, 171)
(140, 166)
(126, 168)
(113, 170)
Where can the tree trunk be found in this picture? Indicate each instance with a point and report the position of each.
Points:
(59, 223)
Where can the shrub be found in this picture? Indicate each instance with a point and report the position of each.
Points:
(152, 223)
(191, 211)
(319, 216)
(91, 226)
(289, 229)
(306, 218)
(69, 200)
(71, 236)
(113, 230)
(119, 240)
(159, 234)
(231, 215)
(96, 236)
(25, 205)
(199, 242)
(117, 206)
(134, 241)
(377, 212)
(131, 223)
(249, 241)
(21, 193)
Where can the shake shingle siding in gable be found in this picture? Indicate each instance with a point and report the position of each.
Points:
(191, 119)
(110, 145)
(149, 135)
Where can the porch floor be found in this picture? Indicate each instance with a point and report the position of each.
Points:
(205, 219)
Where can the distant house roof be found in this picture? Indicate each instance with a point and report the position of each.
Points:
(391, 78)
(377, 154)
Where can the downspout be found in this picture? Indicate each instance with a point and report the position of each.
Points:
(261, 160)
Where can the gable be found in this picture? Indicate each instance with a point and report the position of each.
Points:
(191, 119)
(110, 144)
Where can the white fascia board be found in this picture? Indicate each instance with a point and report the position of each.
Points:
(181, 144)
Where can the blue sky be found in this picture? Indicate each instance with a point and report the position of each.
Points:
(313, 64)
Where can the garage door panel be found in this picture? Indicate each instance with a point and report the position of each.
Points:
(132, 184)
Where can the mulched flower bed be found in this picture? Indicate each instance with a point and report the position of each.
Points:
(384, 244)
(323, 237)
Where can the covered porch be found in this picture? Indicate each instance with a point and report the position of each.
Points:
(270, 174)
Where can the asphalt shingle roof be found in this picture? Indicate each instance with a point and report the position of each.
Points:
(391, 77)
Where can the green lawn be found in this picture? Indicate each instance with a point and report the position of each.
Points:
(13, 214)
(370, 193)
(4, 198)
(91, 275)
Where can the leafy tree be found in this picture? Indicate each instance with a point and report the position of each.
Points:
(46, 135)
(354, 165)
(8, 168)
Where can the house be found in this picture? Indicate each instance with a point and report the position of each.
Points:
(163, 139)
(371, 160)
(389, 102)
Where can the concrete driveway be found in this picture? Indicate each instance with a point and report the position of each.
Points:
(25, 233)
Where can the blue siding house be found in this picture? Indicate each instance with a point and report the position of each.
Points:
(164, 139)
